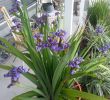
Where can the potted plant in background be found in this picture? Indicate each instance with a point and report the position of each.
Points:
(55, 63)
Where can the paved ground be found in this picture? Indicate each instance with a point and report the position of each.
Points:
(8, 94)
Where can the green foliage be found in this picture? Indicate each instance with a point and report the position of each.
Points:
(51, 72)
(99, 10)
(72, 94)
(98, 82)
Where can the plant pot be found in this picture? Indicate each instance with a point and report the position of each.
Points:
(77, 86)
(48, 7)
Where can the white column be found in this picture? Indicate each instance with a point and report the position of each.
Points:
(68, 16)
(46, 1)
(81, 12)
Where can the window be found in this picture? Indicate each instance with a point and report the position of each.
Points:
(8, 4)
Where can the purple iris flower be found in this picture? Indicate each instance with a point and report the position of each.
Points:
(99, 29)
(38, 36)
(45, 45)
(14, 74)
(104, 49)
(17, 25)
(55, 48)
(75, 62)
(61, 47)
(72, 72)
(52, 40)
(39, 46)
(55, 45)
(41, 20)
(65, 46)
(15, 7)
(60, 33)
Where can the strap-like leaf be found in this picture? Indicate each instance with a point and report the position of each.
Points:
(27, 96)
(5, 67)
(31, 77)
(15, 51)
(71, 93)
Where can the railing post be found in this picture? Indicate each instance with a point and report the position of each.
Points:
(46, 1)
(68, 16)
(81, 12)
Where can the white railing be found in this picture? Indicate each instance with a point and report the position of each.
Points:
(5, 29)
(68, 15)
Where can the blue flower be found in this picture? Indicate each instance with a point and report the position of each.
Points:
(104, 49)
(55, 48)
(75, 62)
(14, 74)
(38, 36)
(17, 25)
(65, 46)
(60, 33)
(52, 40)
(39, 46)
(45, 45)
(72, 72)
(41, 20)
(15, 7)
(99, 29)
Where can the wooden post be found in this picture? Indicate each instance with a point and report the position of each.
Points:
(68, 16)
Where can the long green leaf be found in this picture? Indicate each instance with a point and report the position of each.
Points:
(5, 67)
(15, 52)
(26, 96)
(31, 77)
(71, 93)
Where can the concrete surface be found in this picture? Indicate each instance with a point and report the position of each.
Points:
(9, 93)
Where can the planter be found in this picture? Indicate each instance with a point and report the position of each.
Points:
(48, 7)
(77, 86)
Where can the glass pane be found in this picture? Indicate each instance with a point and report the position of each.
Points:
(8, 4)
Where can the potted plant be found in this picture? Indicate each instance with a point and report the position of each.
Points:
(53, 61)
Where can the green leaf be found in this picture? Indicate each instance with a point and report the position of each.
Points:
(31, 77)
(93, 64)
(35, 93)
(5, 67)
(86, 49)
(26, 25)
(27, 96)
(15, 52)
(71, 93)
